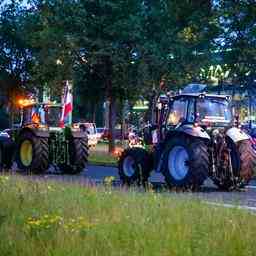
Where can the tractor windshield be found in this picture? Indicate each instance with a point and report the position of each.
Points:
(212, 110)
(178, 111)
(52, 115)
(42, 114)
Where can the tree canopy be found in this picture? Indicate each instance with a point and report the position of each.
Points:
(121, 50)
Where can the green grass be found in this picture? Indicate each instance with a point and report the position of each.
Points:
(98, 158)
(50, 218)
(100, 155)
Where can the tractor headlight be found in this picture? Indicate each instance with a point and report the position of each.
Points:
(75, 129)
(76, 126)
(4, 134)
(43, 127)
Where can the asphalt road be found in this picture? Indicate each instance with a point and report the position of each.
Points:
(209, 193)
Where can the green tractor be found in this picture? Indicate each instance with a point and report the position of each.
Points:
(39, 142)
(195, 137)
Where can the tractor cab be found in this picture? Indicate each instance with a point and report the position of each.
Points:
(200, 109)
(41, 114)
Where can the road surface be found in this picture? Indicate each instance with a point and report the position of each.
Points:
(245, 199)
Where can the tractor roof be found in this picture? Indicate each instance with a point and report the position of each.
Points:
(49, 104)
(198, 91)
(201, 95)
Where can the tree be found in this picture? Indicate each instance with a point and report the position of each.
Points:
(15, 54)
(83, 34)
(237, 20)
(116, 50)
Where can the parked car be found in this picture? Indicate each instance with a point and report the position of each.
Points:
(100, 131)
(118, 134)
(5, 133)
(91, 130)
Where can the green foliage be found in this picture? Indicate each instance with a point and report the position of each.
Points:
(237, 20)
(145, 41)
(179, 37)
(52, 218)
(15, 55)
(123, 49)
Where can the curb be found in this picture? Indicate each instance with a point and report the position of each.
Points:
(102, 164)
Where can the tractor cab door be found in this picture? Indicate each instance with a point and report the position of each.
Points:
(178, 112)
(182, 111)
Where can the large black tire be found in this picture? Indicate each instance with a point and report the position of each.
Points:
(243, 159)
(186, 162)
(78, 152)
(39, 155)
(247, 160)
(134, 166)
(6, 153)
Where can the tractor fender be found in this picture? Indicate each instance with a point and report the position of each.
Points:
(41, 133)
(79, 134)
(193, 131)
(237, 135)
(37, 132)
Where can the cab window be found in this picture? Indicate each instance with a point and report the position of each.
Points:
(191, 111)
(178, 112)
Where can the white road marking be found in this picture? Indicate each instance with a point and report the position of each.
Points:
(243, 207)
(251, 186)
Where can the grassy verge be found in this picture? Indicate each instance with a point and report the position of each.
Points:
(100, 155)
(97, 158)
(48, 218)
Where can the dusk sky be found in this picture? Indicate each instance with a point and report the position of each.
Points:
(8, 1)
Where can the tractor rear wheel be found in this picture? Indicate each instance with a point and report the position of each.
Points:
(243, 159)
(248, 160)
(134, 166)
(32, 153)
(78, 153)
(186, 162)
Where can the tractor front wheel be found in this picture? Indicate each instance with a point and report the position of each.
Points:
(134, 166)
(78, 155)
(32, 153)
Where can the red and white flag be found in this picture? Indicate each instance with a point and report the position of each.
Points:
(67, 104)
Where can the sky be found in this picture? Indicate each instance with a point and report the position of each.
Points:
(2, 2)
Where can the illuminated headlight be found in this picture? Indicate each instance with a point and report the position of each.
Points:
(73, 129)
(4, 134)
(43, 127)
(76, 126)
